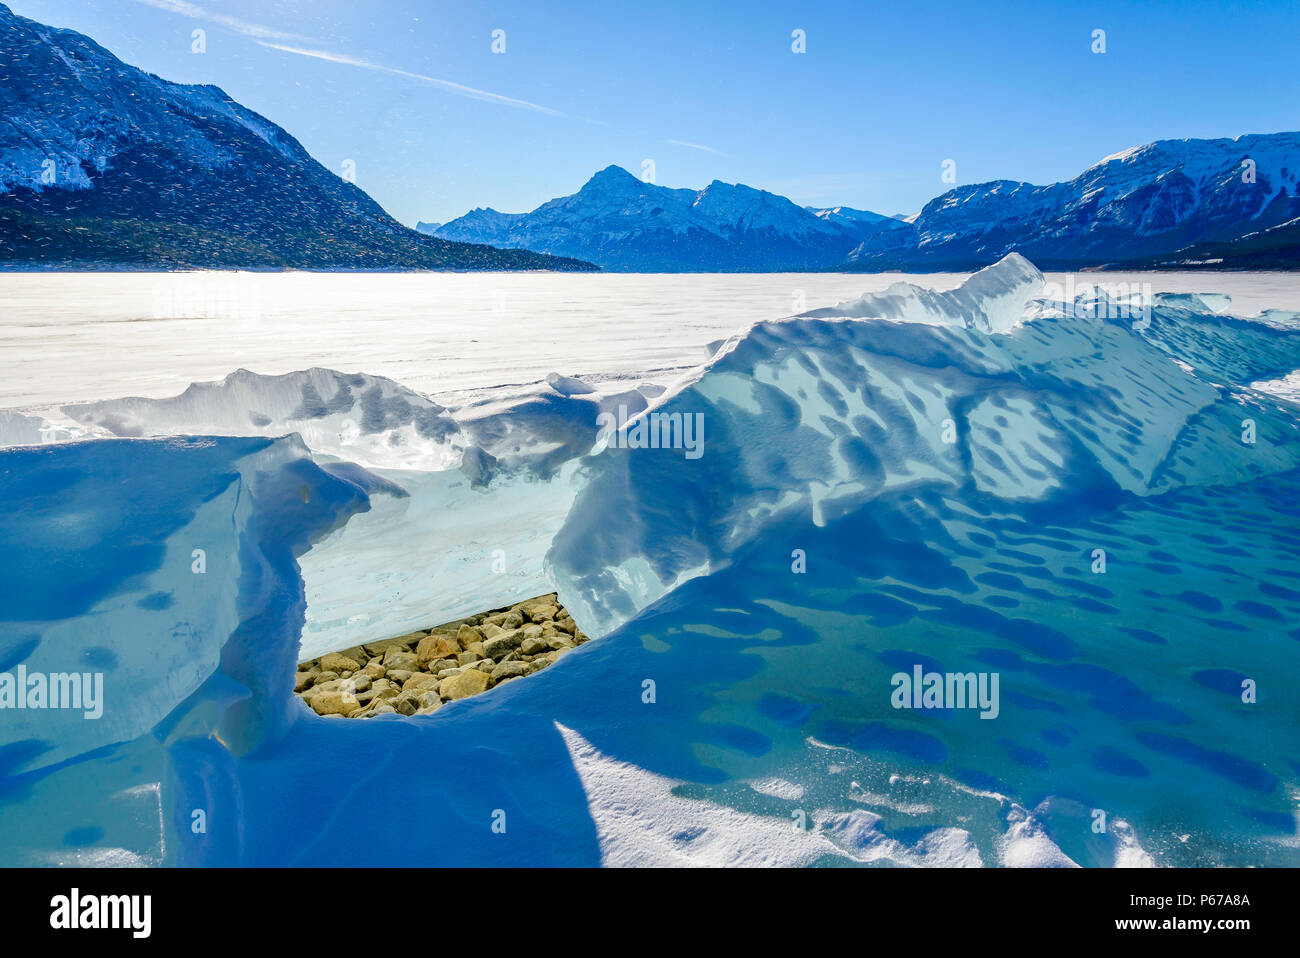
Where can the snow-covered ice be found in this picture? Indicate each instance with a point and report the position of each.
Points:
(82, 337)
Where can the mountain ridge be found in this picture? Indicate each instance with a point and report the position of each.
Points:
(103, 164)
(1165, 204)
(623, 223)
(1152, 203)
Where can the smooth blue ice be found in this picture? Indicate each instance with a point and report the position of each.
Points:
(944, 476)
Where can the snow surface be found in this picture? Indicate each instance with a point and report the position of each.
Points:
(734, 709)
(84, 337)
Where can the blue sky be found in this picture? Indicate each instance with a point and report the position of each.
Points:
(436, 123)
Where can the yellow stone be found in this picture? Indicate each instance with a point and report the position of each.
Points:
(467, 683)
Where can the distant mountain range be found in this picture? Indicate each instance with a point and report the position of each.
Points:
(1227, 203)
(102, 164)
(622, 223)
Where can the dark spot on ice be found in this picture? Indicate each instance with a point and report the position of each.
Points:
(903, 661)
(17, 649)
(1259, 609)
(87, 835)
(783, 709)
(119, 425)
(99, 657)
(1283, 822)
(156, 601)
(1092, 605)
(1199, 600)
(1143, 635)
(689, 835)
(1238, 770)
(1226, 681)
(1028, 757)
(1112, 760)
(737, 738)
(1277, 591)
(1054, 736)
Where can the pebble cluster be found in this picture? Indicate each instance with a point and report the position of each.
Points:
(415, 674)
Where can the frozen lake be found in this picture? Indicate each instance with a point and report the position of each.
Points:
(74, 337)
(828, 442)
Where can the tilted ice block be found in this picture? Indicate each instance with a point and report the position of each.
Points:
(542, 426)
(369, 420)
(1205, 303)
(148, 562)
(829, 414)
(365, 419)
(1225, 349)
(993, 300)
(18, 429)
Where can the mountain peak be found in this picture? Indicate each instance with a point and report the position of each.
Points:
(612, 176)
(718, 186)
(621, 222)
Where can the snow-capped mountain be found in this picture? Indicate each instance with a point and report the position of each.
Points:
(1159, 204)
(849, 217)
(622, 223)
(101, 163)
(1224, 202)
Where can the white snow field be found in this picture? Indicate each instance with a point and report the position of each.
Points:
(1097, 507)
(80, 337)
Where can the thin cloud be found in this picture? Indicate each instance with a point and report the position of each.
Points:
(698, 146)
(457, 88)
(195, 12)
